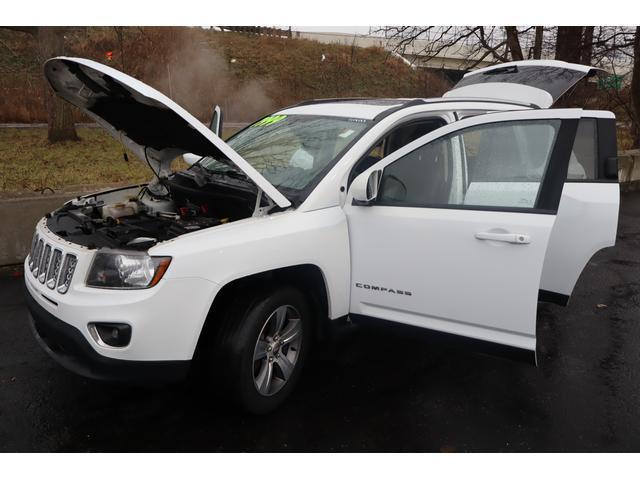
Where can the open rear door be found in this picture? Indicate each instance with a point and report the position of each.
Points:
(587, 218)
(537, 82)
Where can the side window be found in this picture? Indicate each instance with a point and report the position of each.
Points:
(583, 161)
(397, 138)
(405, 134)
(496, 165)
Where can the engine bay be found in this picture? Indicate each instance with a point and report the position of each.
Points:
(135, 218)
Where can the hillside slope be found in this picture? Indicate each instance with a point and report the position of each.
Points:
(248, 75)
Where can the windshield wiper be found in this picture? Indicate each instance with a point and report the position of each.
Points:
(236, 174)
(228, 172)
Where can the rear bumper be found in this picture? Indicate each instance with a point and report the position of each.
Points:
(68, 346)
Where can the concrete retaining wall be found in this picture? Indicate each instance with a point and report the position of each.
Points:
(629, 170)
(19, 213)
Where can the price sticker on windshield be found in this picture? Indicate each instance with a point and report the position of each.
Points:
(270, 120)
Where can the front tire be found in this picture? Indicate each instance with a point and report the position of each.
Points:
(264, 347)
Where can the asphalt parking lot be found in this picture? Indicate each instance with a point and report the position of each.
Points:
(379, 388)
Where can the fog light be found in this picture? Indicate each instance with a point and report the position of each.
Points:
(111, 334)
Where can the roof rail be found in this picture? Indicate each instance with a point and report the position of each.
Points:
(480, 100)
(389, 111)
(416, 101)
(347, 99)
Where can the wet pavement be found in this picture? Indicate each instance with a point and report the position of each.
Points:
(380, 388)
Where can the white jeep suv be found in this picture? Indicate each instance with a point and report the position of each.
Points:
(456, 214)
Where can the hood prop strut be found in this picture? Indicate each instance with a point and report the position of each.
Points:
(259, 211)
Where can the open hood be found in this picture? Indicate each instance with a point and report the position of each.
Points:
(150, 124)
(536, 82)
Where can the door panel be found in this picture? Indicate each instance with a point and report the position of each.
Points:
(587, 222)
(457, 239)
(450, 280)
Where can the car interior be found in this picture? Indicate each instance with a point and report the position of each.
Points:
(395, 139)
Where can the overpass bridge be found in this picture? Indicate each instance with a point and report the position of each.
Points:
(453, 61)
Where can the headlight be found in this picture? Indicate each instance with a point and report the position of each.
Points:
(116, 269)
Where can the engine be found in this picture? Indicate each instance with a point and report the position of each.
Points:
(135, 218)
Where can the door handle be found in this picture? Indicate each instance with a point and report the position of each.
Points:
(519, 238)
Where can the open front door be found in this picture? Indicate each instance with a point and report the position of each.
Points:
(456, 236)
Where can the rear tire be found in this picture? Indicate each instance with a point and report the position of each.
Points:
(263, 347)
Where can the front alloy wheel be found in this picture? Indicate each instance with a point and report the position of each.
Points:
(264, 345)
(277, 350)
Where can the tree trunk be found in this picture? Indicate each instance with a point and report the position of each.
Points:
(587, 46)
(513, 44)
(635, 90)
(61, 126)
(569, 44)
(537, 43)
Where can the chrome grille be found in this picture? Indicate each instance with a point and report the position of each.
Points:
(54, 269)
(44, 264)
(68, 267)
(32, 252)
(51, 266)
(36, 257)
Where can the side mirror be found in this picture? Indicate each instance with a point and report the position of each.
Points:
(611, 168)
(365, 187)
(216, 121)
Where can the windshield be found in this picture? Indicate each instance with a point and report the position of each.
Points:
(290, 151)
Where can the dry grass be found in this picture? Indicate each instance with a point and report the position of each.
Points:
(29, 162)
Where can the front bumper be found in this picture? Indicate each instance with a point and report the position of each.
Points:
(69, 347)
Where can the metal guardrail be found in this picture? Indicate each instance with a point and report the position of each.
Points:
(266, 31)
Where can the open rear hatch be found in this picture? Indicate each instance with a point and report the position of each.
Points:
(537, 82)
(150, 124)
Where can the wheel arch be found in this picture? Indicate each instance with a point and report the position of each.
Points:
(309, 278)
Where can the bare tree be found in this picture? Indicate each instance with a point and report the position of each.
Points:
(477, 44)
(569, 44)
(536, 51)
(616, 49)
(513, 43)
(61, 126)
(635, 88)
(120, 36)
(586, 52)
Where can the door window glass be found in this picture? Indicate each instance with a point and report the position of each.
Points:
(397, 138)
(582, 164)
(496, 165)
